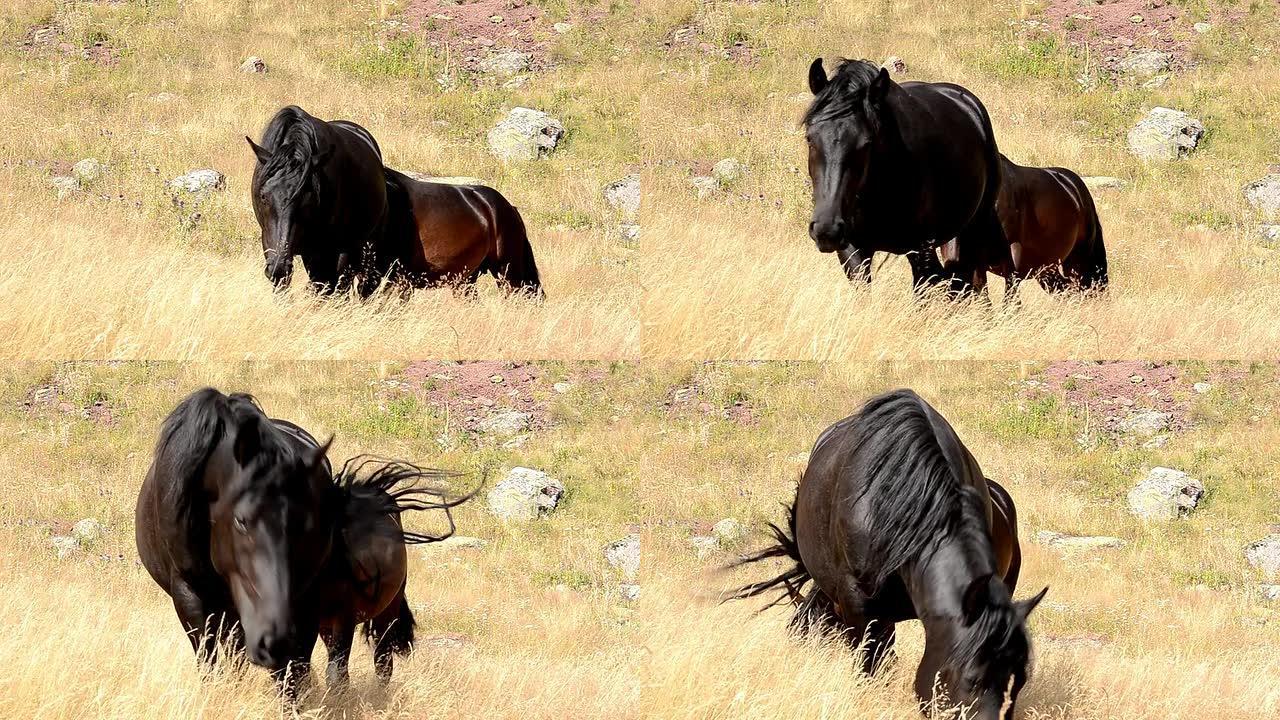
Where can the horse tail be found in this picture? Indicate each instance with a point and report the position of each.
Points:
(377, 487)
(791, 581)
(393, 630)
(1088, 260)
(512, 262)
(911, 469)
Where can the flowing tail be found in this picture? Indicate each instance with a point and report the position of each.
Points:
(1094, 273)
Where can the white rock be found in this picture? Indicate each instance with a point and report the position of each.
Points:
(1144, 64)
(64, 546)
(894, 64)
(703, 545)
(1201, 388)
(1269, 592)
(623, 195)
(1202, 27)
(525, 494)
(624, 555)
(1165, 494)
(628, 232)
(1145, 423)
(704, 186)
(1264, 195)
(1073, 543)
(562, 387)
(525, 134)
(64, 185)
(505, 422)
(728, 171)
(562, 27)
(1165, 134)
(629, 592)
(88, 531)
(1103, 182)
(728, 532)
(88, 171)
(199, 181)
(253, 64)
(1269, 233)
(505, 63)
(1264, 554)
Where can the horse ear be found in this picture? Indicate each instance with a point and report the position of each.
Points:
(977, 597)
(879, 86)
(248, 441)
(1024, 607)
(263, 154)
(817, 76)
(316, 458)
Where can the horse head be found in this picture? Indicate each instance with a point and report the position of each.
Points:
(849, 130)
(286, 194)
(271, 532)
(985, 663)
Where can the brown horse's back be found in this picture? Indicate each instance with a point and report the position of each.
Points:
(1044, 212)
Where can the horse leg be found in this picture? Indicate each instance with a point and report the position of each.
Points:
(926, 271)
(857, 265)
(204, 625)
(323, 273)
(295, 676)
(337, 639)
(816, 613)
(391, 632)
(877, 645)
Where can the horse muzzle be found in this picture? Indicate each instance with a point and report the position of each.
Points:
(829, 236)
(280, 273)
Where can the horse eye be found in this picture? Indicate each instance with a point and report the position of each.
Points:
(239, 525)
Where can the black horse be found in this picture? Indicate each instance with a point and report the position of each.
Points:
(900, 168)
(893, 521)
(242, 521)
(318, 193)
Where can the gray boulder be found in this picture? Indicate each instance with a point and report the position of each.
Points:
(88, 171)
(1144, 423)
(1165, 134)
(198, 182)
(624, 555)
(704, 186)
(1165, 494)
(624, 196)
(88, 531)
(1264, 195)
(525, 494)
(253, 64)
(1264, 555)
(505, 64)
(1144, 64)
(525, 135)
(505, 422)
(728, 171)
(64, 546)
(64, 185)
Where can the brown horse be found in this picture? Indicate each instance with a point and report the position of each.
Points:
(1051, 233)
(894, 521)
(263, 549)
(441, 234)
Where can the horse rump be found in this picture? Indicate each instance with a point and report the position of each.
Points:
(392, 631)
(513, 264)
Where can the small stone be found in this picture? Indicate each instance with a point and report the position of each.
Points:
(624, 555)
(728, 532)
(728, 171)
(1264, 196)
(1264, 555)
(562, 27)
(1165, 494)
(1165, 134)
(64, 185)
(495, 19)
(64, 546)
(1269, 592)
(1136, 379)
(1144, 64)
(629, 232)
(505, 422)
(629, 592)
(496, 379)
(1269, 234)
(525, 494)
(1201, 388)
(525, 135)
(1202, 27)
(1145, 423)
(1135, 18)
(623, 195)
(199, 181)
(253, 64)
(446, 641)
(704, 186)
(894, 64)
(1072, 543)
(703, 545)
(88, 171)
(562, 387)
(505, 64)
(1103, 182)
(88, 531)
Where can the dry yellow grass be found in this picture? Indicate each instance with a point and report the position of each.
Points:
(736, 276)
(112, 272)
(1169, 627)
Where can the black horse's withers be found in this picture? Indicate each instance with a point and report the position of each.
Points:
(900, 168)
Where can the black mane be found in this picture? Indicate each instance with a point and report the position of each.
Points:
(378, 486)
(290, 136)
(845, 93)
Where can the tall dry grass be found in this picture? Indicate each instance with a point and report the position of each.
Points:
(736, 276)
(1170, 626)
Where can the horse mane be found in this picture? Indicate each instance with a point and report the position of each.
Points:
(372, 485)
(290, 136)
(913, 480)
(845, 93)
